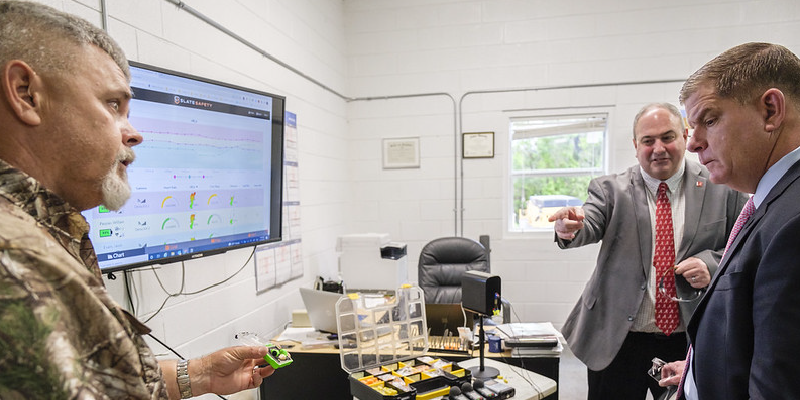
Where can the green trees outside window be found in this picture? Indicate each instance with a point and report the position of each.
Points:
(552, 161)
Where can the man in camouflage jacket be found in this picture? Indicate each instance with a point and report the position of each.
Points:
(65, 144)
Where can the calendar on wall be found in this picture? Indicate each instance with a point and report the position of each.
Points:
(278, 263)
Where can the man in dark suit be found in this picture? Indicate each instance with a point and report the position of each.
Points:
(623, 318)
(744, 106)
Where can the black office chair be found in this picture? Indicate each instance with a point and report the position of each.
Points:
(442, 262)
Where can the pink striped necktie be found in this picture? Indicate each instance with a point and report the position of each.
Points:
(679, 392)
(747, 211)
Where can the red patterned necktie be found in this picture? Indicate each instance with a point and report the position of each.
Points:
(664, 260)
(747, 211)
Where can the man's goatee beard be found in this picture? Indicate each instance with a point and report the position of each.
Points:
(116, 190)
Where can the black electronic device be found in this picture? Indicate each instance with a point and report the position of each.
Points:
(445, 318)
(470, 392)
(394, 251)
(207, 178)
(480, 292)
(502, 390)
(534, 341)
(455, 394)
(479, 387)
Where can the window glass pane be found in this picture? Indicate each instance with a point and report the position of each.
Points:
(552, 193)
(577, 150)
(552, 161)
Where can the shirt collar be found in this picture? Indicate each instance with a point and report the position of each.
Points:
(673, 182)
(773, 175)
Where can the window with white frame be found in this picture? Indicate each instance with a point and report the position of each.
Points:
(553, 158)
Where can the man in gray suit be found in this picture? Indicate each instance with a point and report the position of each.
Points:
(663, 227)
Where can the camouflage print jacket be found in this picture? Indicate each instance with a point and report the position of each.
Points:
(62, 336)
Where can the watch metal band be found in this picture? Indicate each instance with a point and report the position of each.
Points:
(184, 383)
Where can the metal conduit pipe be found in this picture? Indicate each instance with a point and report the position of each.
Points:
(183, 6)
(455, 143)
(104, 15)
(459, 113)
(458, 207)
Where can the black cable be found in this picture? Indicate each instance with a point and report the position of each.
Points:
(169, 295)
(128, 291)
(183, 284)
(521, 359)
(165, 346)
(133, 288)
(228, 278)
(179, 293)
(174, 352)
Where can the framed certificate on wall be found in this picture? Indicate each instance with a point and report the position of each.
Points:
(401, 153)
(477, 145)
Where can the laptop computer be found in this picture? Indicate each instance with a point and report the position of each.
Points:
(441, 317)
(321, 308)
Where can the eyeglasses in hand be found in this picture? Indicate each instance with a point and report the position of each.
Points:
(689, 296)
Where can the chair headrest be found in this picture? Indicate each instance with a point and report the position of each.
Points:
(452, 250)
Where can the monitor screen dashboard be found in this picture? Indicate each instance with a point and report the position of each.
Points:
(207, 177)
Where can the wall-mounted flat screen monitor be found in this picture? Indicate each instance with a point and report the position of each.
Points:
(206, 179)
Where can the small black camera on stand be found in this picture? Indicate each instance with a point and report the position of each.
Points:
(480, 293)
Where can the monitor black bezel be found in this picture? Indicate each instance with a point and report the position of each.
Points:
(276, 178)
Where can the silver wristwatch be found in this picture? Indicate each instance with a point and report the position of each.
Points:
(184, 383)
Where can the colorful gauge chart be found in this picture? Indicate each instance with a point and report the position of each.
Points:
(169, 202)
(213, 220)
(170, 224)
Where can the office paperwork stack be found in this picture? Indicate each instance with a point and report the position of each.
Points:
(534, 339)
(308, 338)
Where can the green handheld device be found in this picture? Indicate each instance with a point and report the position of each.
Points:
(276, 356)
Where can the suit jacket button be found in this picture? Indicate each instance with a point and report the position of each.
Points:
(644, 287)
(630, 318)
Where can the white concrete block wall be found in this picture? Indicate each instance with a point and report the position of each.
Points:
(365, 48)
(463, 46)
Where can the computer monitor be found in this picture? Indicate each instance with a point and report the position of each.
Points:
(207, 177)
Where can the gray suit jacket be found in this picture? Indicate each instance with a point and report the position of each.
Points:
(617, 213)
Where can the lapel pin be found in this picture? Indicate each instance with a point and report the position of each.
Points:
(699, 184)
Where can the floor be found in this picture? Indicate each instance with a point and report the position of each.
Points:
(572, 378)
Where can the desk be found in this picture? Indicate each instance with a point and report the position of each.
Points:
(529, 385)
(318, 373)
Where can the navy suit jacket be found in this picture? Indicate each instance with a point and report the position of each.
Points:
(746, 329)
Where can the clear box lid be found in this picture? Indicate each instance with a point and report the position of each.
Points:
(375, 330)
